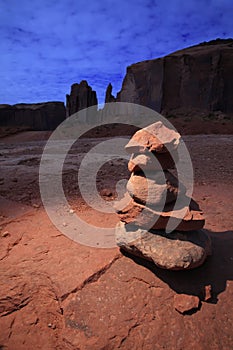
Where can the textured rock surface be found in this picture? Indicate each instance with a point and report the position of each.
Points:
(81, 96)
(152, 207)
(197, 78)
(184, 303)
(60, 295)
(174, 251)
(37, 116)
(148, 161)
(143, 216)
(154, 188)
(154, 138)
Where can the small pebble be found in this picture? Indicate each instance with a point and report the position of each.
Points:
(50, 325)
(208, 292)
(6, 234)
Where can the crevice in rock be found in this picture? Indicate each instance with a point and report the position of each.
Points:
(140, 280)
(11, 246)
(11, 326)
(53, 290)
(136, 324)
(91, 279)
(16, 307)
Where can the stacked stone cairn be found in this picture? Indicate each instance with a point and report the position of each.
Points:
(152, 194)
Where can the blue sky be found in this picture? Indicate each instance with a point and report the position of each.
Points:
(46, 45)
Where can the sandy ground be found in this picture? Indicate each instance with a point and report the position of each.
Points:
(58, 294)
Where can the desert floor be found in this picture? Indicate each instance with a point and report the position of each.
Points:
(58, 294)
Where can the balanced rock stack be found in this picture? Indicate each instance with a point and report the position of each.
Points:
(153, 191)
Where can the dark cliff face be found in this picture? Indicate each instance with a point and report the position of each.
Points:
(38, 116)
(81, 97)
(197, 78)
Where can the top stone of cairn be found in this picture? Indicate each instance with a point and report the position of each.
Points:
(154, 138)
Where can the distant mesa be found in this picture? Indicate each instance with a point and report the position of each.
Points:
(81, 96)
(189, 82)
(34, 116)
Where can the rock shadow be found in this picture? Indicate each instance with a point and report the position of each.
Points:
(216, 271)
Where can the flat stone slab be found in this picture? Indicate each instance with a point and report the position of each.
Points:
(155, 138)
(173, 251)
(151, 161)
(185, 218)
(184, 303)
(154, 188)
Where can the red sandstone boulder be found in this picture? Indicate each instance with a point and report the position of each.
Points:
(155, 188)
(148, 161)
(154, 138)
(172, 251)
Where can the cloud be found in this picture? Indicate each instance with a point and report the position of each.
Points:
(50, 44)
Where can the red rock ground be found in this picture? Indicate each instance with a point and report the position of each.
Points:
(58, 294)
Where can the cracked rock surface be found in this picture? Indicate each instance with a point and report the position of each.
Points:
(58, 294)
